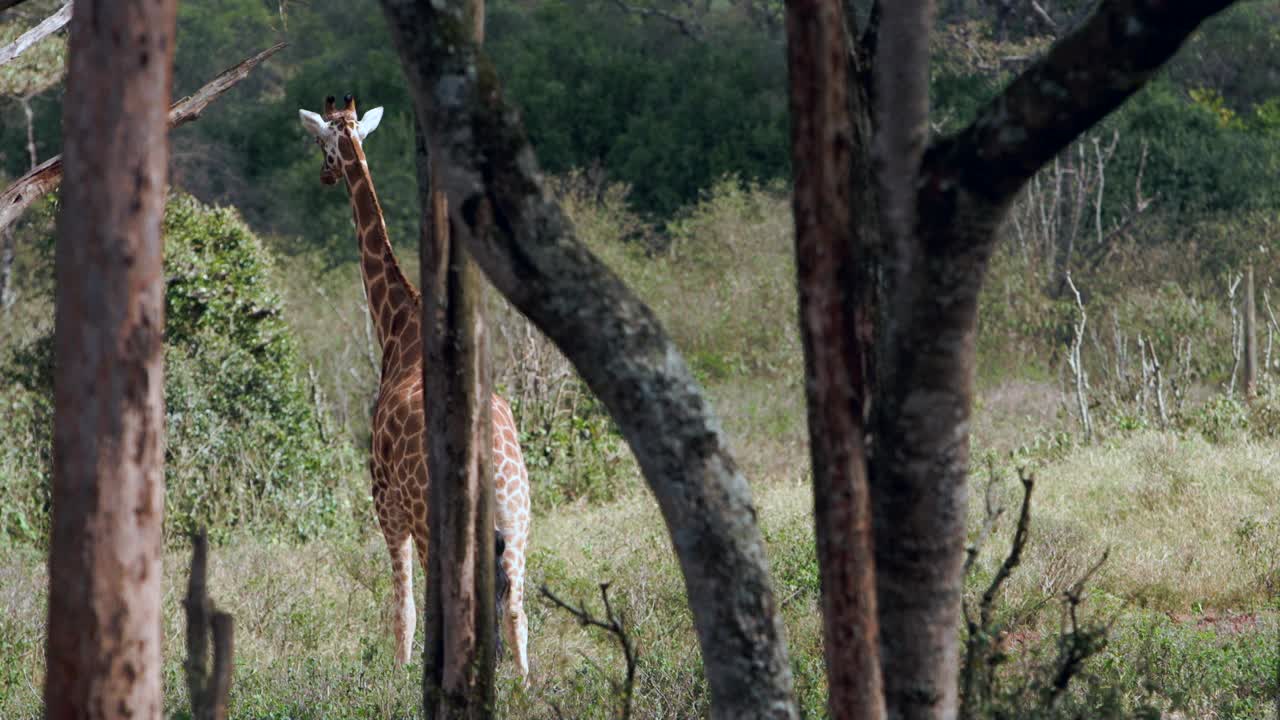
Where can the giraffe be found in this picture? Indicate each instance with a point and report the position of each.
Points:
(398, 460)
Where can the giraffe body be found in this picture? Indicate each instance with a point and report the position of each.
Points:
(398, 458)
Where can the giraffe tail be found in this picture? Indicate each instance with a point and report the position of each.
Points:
(501, 586)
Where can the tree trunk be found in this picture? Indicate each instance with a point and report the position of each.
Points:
(460, 614)
(940, 216)
(7, 241)
(835, 322)
(1250, 337)
(500, 211)
(104, 625)
(25, 102)
(458, 682)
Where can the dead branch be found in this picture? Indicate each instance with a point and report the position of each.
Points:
(26, 40)
(976, 677)
(1076, 362)
(208, 692)
(614, 625)
(1272, 326)
(1237, 334)
(690, 28)
(46, 176)
(1158, 378)
(1077, 644)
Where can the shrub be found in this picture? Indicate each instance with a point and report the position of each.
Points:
(246, 446)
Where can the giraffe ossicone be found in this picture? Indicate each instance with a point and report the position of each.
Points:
(398, 460)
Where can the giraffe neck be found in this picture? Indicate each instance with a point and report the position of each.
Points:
(393, 300)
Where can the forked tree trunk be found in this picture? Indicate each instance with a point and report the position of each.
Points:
(940, 217)
(835, 320)
(104, 624)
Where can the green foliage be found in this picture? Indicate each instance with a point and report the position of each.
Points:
(663, 113)
(573, 457)
(246, 445)
(1199, 157)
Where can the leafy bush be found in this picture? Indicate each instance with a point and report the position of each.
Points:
(246, 445)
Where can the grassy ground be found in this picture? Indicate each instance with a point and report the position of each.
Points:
(1190, 590)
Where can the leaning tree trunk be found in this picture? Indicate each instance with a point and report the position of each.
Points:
(500, 211)
(104, 625)
(835, 322)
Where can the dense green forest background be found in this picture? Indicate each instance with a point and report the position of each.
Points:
(634, 100)
(667, 145)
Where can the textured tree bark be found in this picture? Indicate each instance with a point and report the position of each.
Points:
(103, 647)
(963, 187)
(500, 212)
(834, 322)
(460, 613)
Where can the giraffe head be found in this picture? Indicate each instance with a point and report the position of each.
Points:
(339, 134)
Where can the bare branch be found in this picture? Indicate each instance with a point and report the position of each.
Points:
(1076, 361)
(975, 676)
(190, 107)
(44, 178)
(614, 625)
(1020, 534)
(1077, 644)
(690, 28)
(47, 27)
(1082, 79)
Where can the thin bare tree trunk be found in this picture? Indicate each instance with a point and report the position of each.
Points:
(7, 241)
(25, 102)
(835, 329)
(499, 210)
(1250, 337)
(104, 625)
(458, 678)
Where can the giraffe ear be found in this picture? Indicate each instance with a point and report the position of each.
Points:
(369, 122)
(312, 123)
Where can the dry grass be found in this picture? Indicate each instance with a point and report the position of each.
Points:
(1189, 524)
(312, 624)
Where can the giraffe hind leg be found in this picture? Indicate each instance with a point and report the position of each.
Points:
(515, 624)
(501, 586)
(405, 617)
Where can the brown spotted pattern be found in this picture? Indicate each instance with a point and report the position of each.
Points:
(398, 461)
